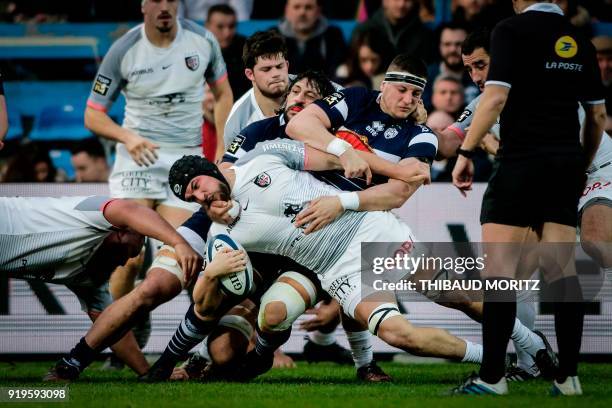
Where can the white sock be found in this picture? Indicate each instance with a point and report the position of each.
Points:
(525, 312)
(526, 339)
(322, 339)
(361, 347)
(473, 352)
(202, 351)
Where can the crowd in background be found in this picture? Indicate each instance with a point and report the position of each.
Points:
(385, 28)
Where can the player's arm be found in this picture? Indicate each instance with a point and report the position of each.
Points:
(128, 214)
(593, 128)
(310, 126)
(224, 99)
(105, 90)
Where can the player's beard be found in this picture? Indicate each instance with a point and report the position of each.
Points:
(272, 95)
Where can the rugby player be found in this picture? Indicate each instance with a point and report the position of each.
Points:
(78, 241)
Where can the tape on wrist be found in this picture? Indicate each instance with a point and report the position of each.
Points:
(349, 201)
(337, 147)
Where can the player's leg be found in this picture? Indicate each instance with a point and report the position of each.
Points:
(558, 263)
(282, 303)
(596, 234)
(321, 344)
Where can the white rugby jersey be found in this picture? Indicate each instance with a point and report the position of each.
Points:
(163, 87)
(50, 238)
(465, 120)
(245, 111)
(272, 191)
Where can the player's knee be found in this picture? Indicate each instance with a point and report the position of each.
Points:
(274, 315)
(285, 301)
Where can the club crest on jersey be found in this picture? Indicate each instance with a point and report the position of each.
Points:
(391, 133)
(263, 180)
(192, 62)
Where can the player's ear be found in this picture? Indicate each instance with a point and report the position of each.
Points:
(382, 86)
(248, 72)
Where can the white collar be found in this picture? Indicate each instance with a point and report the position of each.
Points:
(544, 7)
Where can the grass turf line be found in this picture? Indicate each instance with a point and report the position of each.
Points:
(316, 385)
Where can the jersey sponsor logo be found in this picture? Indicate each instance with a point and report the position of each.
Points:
(375, 127)
(391, 133)
(566, 47)
(236, 143)
(192, 62)
(333, 99)
(139, 72)
(564, 65)
(466, 114)
(102, 84)
(263, 180)
(292, 210)
(424, 129)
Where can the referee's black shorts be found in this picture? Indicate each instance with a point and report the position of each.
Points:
(529, 192)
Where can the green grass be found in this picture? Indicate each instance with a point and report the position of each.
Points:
(317, 385)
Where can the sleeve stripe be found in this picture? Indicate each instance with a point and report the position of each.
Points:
(219, 80)
(342, 107)
(96, 106)
(500, 83)
(425, 138)
(460, 134)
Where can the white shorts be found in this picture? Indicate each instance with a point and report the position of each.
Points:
(129, 180)
(598, 188)
(343, 281)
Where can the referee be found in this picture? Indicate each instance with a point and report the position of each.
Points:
(541, 68)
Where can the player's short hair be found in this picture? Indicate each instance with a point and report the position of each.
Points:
(410, 64)
(476, 39)
(91, 146)
(220, 8)
(317, 79)
(263, 44)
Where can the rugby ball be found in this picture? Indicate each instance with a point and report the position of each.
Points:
(237, 284)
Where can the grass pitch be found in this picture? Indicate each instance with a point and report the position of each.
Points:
(309, 385)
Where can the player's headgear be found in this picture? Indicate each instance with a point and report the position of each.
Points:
(408, 70)
(186, 168)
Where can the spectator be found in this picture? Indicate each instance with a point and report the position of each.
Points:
(221, 21)
(448, 96)
(603, 47)
(365, 61)
(451, 37)
(32, 164)
(311, 42)
(478, 14)
(89, 161)
(399, 24)
(198, 9)
(578, 16)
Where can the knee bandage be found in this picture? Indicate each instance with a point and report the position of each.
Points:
(166, 259)
(380, 314)
(237, 323)
(288, 295)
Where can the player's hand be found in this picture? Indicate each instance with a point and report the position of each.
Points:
(281, 360)
(1, 144)
(142, 150)
(324, 315)
(489, 144)
(321, 212)
(463, 174)
(189, 260)
(420, 114)
(218, 211)
(414, 171)
(355, 166)
(179, 374)
(225, 262)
